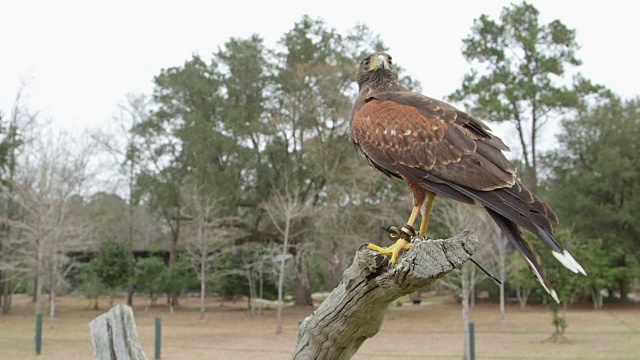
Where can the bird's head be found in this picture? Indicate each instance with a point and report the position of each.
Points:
(375, 70)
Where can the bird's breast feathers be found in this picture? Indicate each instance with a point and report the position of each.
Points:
(387, 122)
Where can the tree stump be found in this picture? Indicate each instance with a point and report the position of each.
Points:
(355, 309)
(115, 337)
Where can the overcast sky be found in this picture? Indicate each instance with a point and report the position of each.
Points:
(80, 59)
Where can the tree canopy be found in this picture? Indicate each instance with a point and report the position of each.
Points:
(524, 72)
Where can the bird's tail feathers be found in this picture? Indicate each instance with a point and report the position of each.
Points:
(562, 255)
(569, 262)
(514, 234)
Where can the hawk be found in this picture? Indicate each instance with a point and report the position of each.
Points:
(440, 150)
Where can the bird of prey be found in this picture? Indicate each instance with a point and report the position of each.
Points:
(440, 150)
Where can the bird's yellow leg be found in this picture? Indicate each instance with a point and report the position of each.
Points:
(402, 243)
(424, 224)
(414, 214)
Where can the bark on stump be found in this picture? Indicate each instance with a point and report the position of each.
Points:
(355, 309)
(115, 337)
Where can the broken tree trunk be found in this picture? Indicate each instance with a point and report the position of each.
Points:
(115, 337)
(354, 310)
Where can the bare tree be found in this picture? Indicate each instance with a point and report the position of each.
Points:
(494, 250)
(283, 209)
(48, 192)
(121, 145)
(202, 238)
(521, 280)
(256, 261)
(463, 279)
(265, 265)
(496, 256)
(17, 131)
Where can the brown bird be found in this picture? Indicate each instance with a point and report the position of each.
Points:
(439, 150)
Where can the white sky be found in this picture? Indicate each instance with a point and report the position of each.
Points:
(81, 58)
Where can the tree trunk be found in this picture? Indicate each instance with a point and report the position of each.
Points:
(173, 297)
(36, 282)
(502, 313)
(260, 290)
(173, 253)
(623, 286)
(96, 303)
(130, 288)
(301, 279)
(203, 284)
(337, 266)
(522, 293)
(472, 288)
(354, 310)
(6, 296)
(38, 294)
(52, 307)
(596, 298)
(252, 292)
(38, 279)
(130, 294)
(531, 179)
(285, 247)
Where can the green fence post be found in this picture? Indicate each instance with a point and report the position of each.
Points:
(472, 341)
(158, 337)
(38, 333)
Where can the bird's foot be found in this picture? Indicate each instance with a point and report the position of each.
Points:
(402, 237)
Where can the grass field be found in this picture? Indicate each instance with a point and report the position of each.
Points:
(430, 331)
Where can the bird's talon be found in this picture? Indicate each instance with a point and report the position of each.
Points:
(394, 250)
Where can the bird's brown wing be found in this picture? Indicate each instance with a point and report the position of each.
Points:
(424, 135)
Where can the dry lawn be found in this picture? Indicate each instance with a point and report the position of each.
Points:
(430, 331)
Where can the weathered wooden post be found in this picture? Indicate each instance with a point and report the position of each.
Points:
(355, 309)
(115, 337)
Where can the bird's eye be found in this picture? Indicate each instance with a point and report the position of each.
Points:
(390, 60)
(366, 62)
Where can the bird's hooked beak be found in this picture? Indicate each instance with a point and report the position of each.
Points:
(379, 62)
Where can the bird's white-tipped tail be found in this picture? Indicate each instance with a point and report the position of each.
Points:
(551, 292)
(569, 262)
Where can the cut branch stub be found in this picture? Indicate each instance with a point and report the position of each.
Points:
(355, 309)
